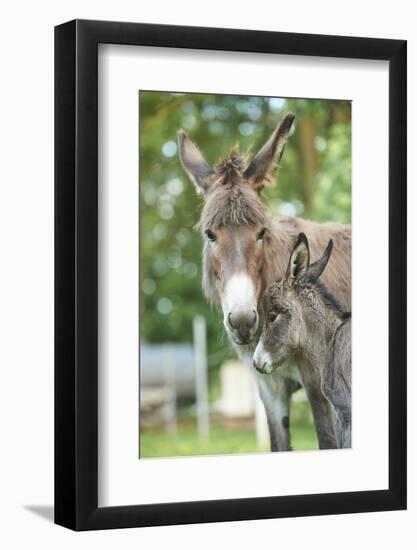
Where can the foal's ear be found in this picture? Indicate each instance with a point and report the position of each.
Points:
(299, 260)
(194, 163)
(317, 268)
(262, 169)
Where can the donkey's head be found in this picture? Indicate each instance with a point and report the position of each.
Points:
(235, 227)
(293, 307)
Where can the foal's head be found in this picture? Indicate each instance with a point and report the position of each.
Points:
(235, 227)
(296, 308)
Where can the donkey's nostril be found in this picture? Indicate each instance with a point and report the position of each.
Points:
(258, 367)
(242, 321)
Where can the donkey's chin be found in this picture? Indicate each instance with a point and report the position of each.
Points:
(241, 339)
(268, 367)
(243, 342)
(278, 363)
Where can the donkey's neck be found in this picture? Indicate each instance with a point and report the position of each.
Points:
(277, 251)
(321, 326)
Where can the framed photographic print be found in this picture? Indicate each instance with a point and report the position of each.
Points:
(230, 248)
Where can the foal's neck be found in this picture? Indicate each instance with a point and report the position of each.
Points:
(321, 328)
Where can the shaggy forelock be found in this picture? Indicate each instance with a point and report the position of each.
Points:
(231, 200)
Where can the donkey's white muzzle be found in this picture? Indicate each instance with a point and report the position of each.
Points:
(240, 309)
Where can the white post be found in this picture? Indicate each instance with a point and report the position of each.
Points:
(171, 387)
(201, 381)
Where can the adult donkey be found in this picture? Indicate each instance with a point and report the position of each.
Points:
(245, 250)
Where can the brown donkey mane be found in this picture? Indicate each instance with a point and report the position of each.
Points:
(231, 199)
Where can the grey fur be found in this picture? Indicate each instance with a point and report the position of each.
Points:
(304, 321)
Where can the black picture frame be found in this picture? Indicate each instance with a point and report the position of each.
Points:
(76, 272)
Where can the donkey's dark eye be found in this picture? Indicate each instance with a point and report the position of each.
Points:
(272, 315)
(261, 234)
(210, 235)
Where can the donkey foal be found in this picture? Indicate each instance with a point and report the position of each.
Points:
(304, 321)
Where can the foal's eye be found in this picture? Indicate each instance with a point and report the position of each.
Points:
(210, 235)
(261, 234)
(272, 315)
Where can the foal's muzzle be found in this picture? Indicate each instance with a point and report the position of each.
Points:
(262, 360)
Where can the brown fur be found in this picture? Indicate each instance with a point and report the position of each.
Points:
(231, 200)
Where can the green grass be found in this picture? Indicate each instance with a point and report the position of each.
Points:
(223, 440)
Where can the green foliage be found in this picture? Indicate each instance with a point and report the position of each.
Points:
(334, 178)
(314, 181)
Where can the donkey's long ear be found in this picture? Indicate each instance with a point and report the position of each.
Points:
(317, 268)
(262, 169)
(194, 163)
(299, 260)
